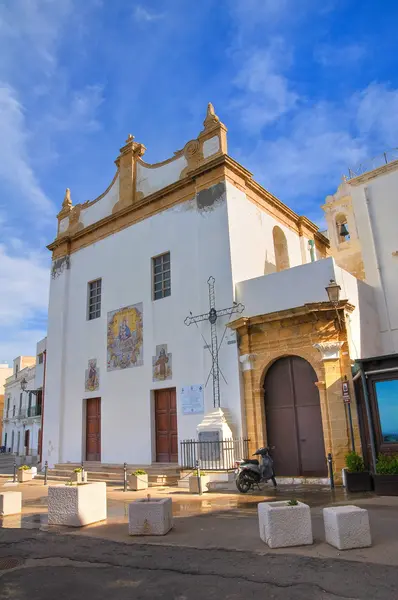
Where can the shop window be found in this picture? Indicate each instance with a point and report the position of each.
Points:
(387, 401)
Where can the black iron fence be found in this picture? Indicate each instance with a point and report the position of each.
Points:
(214, 455)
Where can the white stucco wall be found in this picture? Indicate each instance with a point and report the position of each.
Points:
(199, 247)
(152, 179)
(251, 239)
(211, 146)
(376, 215)
(39, 371)
(306, 284)
(102, 208)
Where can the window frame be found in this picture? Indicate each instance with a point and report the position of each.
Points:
(88, 305)
(40, 358)
(163, 279)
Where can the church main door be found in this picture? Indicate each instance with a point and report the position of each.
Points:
(293, 418)
(93, 429)
(166, 426)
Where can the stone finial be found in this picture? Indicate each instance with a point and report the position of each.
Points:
(67, 203)
(130, 138)
(211, 118)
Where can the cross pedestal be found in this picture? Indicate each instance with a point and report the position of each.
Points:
(217, 448)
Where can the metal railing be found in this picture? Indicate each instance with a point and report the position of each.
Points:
(24, 413)
(213, 456)
(373, 163)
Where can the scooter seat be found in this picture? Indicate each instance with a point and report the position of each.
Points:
(250, 461)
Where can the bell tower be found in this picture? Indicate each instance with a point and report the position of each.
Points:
(345, 244)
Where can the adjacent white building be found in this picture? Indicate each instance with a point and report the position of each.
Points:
(22, 414)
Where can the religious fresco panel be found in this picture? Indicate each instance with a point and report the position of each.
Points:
(92, 376)
(125, 347)
(162, 364)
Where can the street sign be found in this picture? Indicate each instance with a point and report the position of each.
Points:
(346, 392)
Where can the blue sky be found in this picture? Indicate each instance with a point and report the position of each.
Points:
(306, 88)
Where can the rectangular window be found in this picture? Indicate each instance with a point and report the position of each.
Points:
(161, 269)
(387, 400)
(94, 300)
(40, 357)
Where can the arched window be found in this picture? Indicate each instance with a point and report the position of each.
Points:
(343, 234)
(281, 252)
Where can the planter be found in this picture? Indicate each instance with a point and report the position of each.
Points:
(282, 525)
(24, 475)
(138, 482)
(386, 485)
(80, 477)
(10, 503)
(77, 505)
(194, 484)
(347, 527)
(358, 482)
(150, 518)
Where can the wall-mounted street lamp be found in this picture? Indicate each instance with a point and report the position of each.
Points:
(333, 291)
(24, 386)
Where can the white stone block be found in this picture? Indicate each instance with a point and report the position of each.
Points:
(150, 518)
(138, 482)
(10, 503)
(347, 527)
(77, 505)
(194, 484)
(282, 525)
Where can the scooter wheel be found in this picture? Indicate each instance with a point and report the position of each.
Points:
(243, 483)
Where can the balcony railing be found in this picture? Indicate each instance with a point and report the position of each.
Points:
(373, 163)
(24, 413)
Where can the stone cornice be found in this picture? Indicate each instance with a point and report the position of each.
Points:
(290, 313)
(392, 166)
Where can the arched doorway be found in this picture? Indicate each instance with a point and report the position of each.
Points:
(293, 418)
(282, 261)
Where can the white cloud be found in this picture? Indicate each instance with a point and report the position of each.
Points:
(329, 55)
(15, 167)
(265, 92)
(81, 112)
(20, 342)
(144, 15)
(376, 110)
(24, 281)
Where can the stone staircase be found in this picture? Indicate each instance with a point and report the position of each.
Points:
(158, 474)
(7, 463)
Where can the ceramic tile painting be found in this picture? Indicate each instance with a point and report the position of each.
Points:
(161, 364)
(125, 338)
(92, 376)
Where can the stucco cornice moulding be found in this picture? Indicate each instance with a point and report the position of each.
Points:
(329, 350)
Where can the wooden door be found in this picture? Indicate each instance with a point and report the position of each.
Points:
(293, 417)
(166, 426)
(93, 429)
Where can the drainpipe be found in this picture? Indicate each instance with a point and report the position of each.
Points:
(369, 417)
(379, 271)
(42, 403)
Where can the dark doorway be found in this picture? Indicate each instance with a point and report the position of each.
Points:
(27, 442)
(93, 429)
(293, 417)
(166, 426)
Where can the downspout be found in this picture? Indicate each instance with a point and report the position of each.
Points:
(367, 202)
(42, 403)
(369, 417)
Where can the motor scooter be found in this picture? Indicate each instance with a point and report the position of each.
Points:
(250, 472)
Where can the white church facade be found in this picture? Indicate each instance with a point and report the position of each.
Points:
(127, 379)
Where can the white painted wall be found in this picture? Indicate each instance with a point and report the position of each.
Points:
(211, 146)
(5, 371)
(376, 214)
(251, 239)
(102, 208)
(306, 284)
(199, 247)
(39, 372)
(152, 179)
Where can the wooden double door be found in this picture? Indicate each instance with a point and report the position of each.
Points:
(93, 429)
(293, 418)
(166, 426)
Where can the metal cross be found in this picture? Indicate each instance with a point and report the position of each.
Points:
(212, 317)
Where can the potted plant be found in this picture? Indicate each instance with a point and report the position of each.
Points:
(194, 482)
(24, 474)
(138, 480)
(386, 478)
(357, 478)
(79, 475)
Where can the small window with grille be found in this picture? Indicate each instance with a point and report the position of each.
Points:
(161, 276)
(94, 300)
